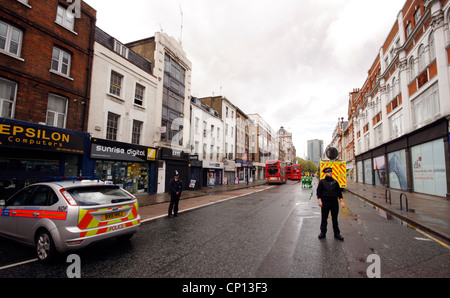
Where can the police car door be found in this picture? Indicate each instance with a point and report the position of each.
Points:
(11, 213)
(36, 209)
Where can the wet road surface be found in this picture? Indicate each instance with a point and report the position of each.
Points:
(268, 234)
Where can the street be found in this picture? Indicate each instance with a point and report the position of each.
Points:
(268, 234)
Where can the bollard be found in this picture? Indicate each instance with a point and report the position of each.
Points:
(406, 201)
(386, 192)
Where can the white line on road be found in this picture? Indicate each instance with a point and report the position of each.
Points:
(18, 264)
(207, 204)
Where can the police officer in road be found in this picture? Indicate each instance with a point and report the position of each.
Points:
(175, 189)
(329, 193)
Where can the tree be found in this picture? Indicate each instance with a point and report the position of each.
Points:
(307, 165)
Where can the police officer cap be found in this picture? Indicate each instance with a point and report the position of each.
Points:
(176, 173)
(328, 170)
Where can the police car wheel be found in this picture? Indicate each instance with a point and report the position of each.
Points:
(45, 248)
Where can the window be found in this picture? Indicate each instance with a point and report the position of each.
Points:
(136, 134)
(417, 15)
(7, 98)
(112, 126)
(65, 18)
(197, 120)
(426, 106)
(395, 88)
(173, 95)
(412, 71)
(395, 125)
(10, 39)
(120, 49)
(61, 61)
(378, 132)
(139, 95)
(56, 111)
(115, 86)
(432, 47)
(408, 29)
(422, 62)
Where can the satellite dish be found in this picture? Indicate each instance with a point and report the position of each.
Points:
(332, 153)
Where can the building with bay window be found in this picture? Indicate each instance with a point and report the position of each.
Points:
(401, 114)
(172, 68)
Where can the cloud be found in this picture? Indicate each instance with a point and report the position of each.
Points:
(292, 61)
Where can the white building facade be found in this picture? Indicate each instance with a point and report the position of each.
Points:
(401, 120)
(172, 69)
(206, 139)
(121, 115)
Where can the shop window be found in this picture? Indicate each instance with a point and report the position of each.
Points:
(56, 111)
(397, 170)
(10, 39)
(428, 168)
(8, 91)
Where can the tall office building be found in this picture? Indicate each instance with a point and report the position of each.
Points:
(315, 150)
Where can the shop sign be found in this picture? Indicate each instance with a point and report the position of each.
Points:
(245, 160)
(105, 149)
(16, 134)
(167, 153)
(212, 165)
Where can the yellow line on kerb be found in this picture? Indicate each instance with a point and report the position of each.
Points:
(429, 236)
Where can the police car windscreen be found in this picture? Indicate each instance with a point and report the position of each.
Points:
(99, 195)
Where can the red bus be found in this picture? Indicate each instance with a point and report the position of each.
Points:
(288, 172)
(296, 173)
(276, 171)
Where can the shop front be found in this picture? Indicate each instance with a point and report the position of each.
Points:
(174, 160)
(212, 173)
(195, 172)
(129, 166)
(229, 175)
(32, 152)
(417, 162)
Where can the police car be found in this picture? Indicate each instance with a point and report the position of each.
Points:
(61, 216)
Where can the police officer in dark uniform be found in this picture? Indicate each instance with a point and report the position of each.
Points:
(329, 193)
(175, 189)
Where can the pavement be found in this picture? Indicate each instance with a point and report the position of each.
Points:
(429, 214)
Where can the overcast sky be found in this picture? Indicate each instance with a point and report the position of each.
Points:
(294, 62)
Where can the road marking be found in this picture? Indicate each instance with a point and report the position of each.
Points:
(207, 204)
(422, 239)
(18, 264)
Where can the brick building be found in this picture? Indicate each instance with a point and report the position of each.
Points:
(45, 61)
(401, 114)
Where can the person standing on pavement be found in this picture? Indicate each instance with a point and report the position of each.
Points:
(329, 194)
(175, 189)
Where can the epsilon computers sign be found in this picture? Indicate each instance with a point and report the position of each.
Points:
(105, 149)
(24, 135)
